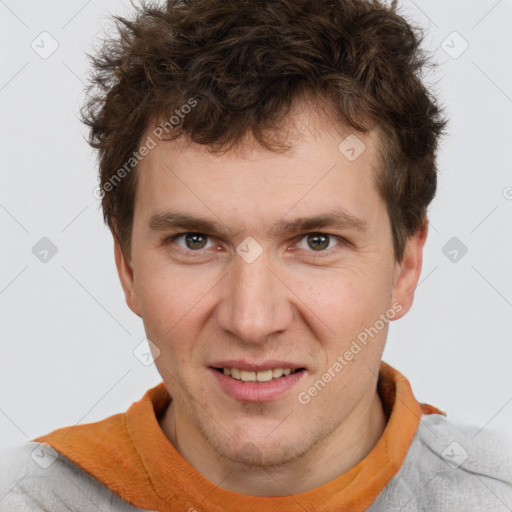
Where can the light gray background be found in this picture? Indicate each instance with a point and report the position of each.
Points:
(67, 337)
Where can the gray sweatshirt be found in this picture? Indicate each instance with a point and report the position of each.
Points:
(447, 468)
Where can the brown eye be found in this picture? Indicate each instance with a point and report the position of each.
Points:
(189, 242)
(317, 245)
(195, 241)
(317, 241)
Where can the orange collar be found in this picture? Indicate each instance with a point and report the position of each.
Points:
(130, 454)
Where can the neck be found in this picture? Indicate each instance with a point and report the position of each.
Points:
(344, 448)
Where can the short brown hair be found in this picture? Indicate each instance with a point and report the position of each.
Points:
(244, 63)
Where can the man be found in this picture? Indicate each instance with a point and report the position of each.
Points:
(265, 169)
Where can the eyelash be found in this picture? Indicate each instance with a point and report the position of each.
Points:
(315, 254)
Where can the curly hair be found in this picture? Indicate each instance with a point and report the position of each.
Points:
(242, 64)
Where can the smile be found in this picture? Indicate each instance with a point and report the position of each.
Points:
(257, 384)
(259, 376)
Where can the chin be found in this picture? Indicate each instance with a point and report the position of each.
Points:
(253, 450)
(251, 455)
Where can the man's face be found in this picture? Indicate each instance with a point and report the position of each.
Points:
(255, 298)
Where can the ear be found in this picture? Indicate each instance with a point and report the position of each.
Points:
(125, 272)
(407, 273)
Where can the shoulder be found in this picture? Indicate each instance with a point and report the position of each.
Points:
(35, 477)
(452, 467)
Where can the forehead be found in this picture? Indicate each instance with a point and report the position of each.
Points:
(327, 169)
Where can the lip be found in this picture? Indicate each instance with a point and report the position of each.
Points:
(257, 391)
(242, 364)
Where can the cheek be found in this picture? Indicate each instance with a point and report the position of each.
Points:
(349, 305)
(174, 307)
(346, 294)
(168, 291)
(161, 305)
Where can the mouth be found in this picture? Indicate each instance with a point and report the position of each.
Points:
(268, 375)
(264, 382)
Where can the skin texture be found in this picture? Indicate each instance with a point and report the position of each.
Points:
(295, 302)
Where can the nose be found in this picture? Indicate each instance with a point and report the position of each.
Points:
(255, 301)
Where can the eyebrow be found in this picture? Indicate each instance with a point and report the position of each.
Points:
(184, 221)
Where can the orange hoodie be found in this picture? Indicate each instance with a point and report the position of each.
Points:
(130, 454)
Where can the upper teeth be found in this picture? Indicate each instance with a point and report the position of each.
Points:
(262, 376)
